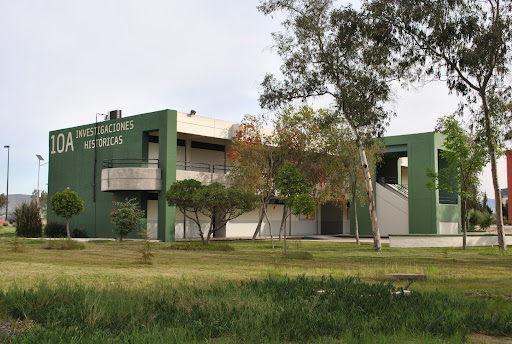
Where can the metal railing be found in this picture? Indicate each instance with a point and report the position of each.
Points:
(392, 183)
(132, 162)
(201, 167)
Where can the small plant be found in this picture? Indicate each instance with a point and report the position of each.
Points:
(65, 244)
(79, 233)
(16, 245)
(6, 223)
(145, 250)
(28, 221)
(55, 229)
(127, 217)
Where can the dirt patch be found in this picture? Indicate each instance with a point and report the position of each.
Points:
(478, 338)
(13, 327)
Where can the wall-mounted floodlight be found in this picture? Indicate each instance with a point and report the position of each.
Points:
(192, 112)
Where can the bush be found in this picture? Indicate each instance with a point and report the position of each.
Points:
(78, 233)
(28, 221)
(480, 218)
(66, 244)
(55, 229)
(6, 223)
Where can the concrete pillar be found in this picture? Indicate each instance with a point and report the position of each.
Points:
(509, 182)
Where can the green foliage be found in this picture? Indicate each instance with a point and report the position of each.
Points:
(146, 248)
(126, 217)
(294, 189)
(3, 200)
(63, 244)
(5, 223)
(480, 218)
(301, 310)
(55, 229)
(28, 221)
(218, 203)
(67, 204)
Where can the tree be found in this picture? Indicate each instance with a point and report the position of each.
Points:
(327, 52)
(41, 200)
(255, 160)
(221, 204)
(127, 217)
(466, 158)
(293, 189)
(465, 42)
(28, 220)
(183, 194)
(3, 200)
(218, 203)
(67, 204)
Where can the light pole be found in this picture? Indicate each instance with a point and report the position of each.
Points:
(40, 158)
(7, 198)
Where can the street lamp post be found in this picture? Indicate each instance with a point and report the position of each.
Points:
(7, 197)
(40, 158)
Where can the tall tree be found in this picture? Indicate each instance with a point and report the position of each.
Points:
(466, 156)
(465, 42)
(326, 51)
(3, 200)
(255, 160)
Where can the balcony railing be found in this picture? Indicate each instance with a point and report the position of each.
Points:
(201, 167)
(132, 162)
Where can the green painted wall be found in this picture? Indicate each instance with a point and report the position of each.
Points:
(425, 212)
(72, 156)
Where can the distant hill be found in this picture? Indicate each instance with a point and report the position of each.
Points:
(14, 201)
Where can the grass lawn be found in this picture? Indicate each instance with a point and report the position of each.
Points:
(476, 274)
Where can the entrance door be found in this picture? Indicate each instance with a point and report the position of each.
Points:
(331, 219)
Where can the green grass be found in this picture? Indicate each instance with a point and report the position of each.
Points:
(7, 231)
(191, 275)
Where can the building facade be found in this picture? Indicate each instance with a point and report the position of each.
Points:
(141, 156)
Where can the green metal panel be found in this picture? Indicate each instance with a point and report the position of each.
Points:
(72, 164)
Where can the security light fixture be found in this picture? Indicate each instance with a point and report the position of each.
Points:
(192, 112)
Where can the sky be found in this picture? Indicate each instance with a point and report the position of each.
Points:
(64, 61)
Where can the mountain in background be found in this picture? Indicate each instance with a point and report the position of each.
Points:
(14, 201)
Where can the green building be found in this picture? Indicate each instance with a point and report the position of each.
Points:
(404, 204)
(141, 156)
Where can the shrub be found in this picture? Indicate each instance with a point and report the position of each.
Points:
(55, 229)
(480, 218)
(79, 233)
(127, 217)
(66, 244)
(6, 223)
(28, 221)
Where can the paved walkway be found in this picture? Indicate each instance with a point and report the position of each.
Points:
(342, 238)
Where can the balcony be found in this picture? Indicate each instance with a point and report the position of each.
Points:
(131, 175)
(203, 172)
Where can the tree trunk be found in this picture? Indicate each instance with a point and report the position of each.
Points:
(208, 238)
(492, 155)
(67, 228)
(464, 220)
(356, 221)
(283, 223)
(369, 189)
(260, 222)
(269, 227)
(284, 231)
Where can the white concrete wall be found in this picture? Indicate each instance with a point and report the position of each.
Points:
(152, 152)
(204, 126)
(392, 212)
(243, 226)
(152, 218)
(444, 240)
(207, 156)
(448, 227)
(191, 227)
